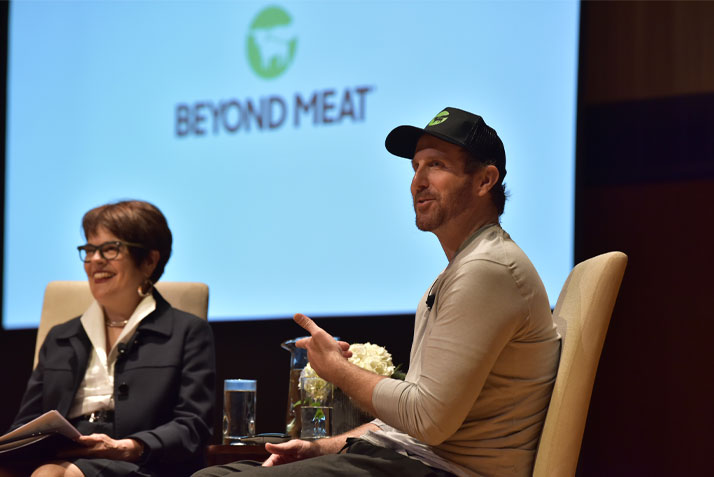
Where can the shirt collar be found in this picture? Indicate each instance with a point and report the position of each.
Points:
(93, 322)
(473, 237)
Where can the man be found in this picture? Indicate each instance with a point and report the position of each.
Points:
(484, 352)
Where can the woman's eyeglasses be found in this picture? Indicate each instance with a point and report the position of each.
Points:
(107, 250)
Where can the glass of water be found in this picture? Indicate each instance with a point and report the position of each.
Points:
(239, 399)
(316, 396)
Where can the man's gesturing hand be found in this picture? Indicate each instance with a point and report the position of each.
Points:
(324, 353)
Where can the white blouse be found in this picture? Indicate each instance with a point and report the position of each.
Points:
(96, 392)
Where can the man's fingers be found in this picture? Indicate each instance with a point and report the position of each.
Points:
(280, 452)
(306, 323)
(272, 448)
(345, 347)
(279, 448)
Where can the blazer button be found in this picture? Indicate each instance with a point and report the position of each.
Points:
(123, 389)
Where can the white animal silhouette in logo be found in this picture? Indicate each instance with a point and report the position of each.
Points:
(274, 45)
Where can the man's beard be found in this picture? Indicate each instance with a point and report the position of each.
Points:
(431, 220)
(443, 207)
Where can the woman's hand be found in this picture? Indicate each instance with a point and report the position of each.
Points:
(103, 446)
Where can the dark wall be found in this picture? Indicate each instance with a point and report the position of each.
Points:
(646, 187)
(645, 184)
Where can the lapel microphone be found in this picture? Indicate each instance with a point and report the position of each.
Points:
(431, 296)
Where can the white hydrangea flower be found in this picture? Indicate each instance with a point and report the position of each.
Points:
(367, 356)
(372, 357)
(316, 388)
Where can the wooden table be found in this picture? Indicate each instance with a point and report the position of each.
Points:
(224, 454)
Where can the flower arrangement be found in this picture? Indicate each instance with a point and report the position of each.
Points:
(367, 356)
(373, 358)
(317, 388)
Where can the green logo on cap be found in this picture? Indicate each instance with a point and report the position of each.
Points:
(439, 118)
(271, 44)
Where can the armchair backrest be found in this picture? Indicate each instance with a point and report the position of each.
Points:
(67, 299)
(582, 315)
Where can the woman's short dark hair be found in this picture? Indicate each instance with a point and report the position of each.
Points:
(498, 191)
(134, 221)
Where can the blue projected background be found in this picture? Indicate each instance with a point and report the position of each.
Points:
(258, 128)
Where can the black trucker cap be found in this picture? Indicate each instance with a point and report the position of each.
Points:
(457, 127)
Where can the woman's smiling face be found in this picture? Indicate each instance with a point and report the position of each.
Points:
(112, 282)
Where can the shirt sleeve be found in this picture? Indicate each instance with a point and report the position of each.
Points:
(477, 311)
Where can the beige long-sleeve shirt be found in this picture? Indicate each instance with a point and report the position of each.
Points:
(482, 364)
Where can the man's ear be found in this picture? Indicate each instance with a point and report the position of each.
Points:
(486, 179)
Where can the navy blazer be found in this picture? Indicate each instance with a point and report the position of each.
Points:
(164, 383)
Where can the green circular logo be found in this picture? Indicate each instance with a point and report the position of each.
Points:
(439, 118)
(271, 42)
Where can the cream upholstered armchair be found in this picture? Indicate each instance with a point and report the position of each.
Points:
(582, 315)
(67, 299)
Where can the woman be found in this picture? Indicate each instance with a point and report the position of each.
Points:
(134, 375)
